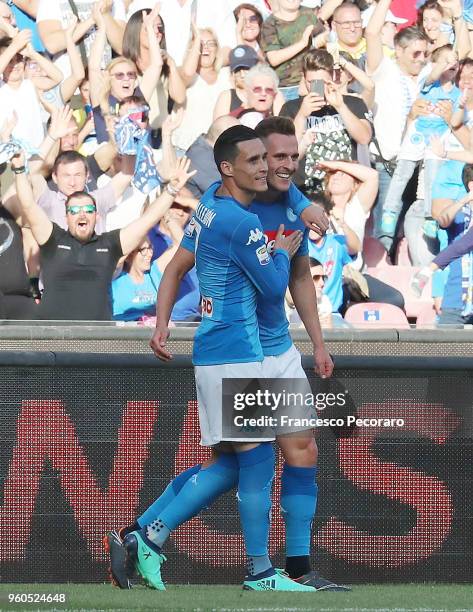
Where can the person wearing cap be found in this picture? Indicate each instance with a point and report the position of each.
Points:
(242, 58)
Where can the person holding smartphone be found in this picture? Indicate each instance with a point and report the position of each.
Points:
(329, 124)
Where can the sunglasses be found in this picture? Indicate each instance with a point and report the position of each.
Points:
(269, 91)
(124, 75)
(75, 210)
(145, 249)
(251, 19)
(208, 44)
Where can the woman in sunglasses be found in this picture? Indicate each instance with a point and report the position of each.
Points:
(134, 291)
(249, 22)
(121, 78)
(263, 98)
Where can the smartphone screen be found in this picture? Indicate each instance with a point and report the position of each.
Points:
(318, 87)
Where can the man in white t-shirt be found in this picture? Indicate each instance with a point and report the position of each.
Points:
(54, 16)
(398, 83)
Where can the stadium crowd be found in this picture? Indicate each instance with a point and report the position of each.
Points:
(101, 101)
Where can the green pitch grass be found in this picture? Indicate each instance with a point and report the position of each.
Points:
(399, 598)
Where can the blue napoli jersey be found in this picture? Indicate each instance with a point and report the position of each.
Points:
(233, 266)
(273, 324)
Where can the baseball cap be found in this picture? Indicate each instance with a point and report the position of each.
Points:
(140, 5)
(390, 16)
(243, 56)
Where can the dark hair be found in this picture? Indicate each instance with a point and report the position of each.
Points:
(409, 35)
(314, 262)
(467, 175)
(462, 64)
(226, 145)
(436, 53)
(138, 100)
(131, 39)
(323, 200)
(81, 194)
(5, 42)
(275, 125)
(317, 59)
(253, 9)
(69, 157)
(430, 4)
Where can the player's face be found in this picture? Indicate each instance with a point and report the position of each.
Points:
(283, 159)
(81, 218)
(250, 168)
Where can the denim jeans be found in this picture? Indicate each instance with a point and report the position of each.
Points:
(453, 318)
(391, 208)
(384, 180)
(431, 168)
(421, 248)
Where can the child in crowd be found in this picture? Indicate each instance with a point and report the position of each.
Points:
(441, 96)
(18, 93)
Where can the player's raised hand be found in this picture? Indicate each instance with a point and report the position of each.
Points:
(289, 243)
(158, 342)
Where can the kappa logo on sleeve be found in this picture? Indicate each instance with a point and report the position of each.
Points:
(263, 255)
(255, 236)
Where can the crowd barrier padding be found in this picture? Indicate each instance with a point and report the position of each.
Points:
(89, 440)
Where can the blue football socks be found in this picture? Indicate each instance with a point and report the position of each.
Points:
(298, 504)
(167, 496)
(254, 503)
(198, 492)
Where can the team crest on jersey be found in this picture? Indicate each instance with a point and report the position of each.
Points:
(263, 255)
(290, 215)
(255, 236)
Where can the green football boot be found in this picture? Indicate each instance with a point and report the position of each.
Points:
(144, 559)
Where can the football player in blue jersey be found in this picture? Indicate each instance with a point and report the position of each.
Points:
(281, 359)
(233, 266)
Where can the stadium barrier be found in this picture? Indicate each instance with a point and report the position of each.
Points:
(89, 438)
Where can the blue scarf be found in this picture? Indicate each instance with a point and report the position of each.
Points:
(133, 140)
